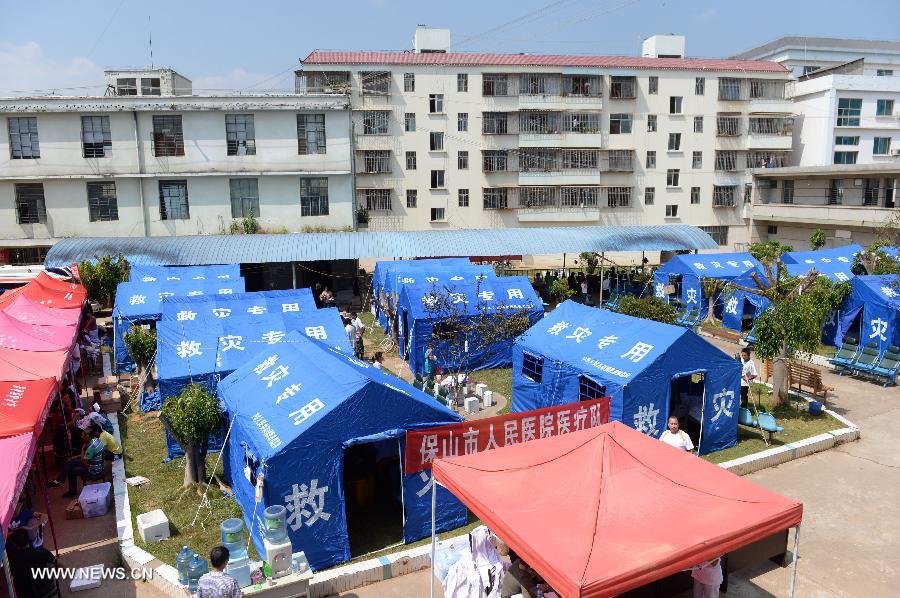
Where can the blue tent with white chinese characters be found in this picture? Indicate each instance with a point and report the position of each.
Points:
(298, 411)
(142, 302)
(260, 303)
(214, 273)
(686, 271)
(741, 308)
(418, 324)
(871, 312)
(650, 370)
(835, 263)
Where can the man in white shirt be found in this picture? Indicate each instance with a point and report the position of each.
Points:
(748, 374)
(350, 330)
(677, 437)
(356, 322)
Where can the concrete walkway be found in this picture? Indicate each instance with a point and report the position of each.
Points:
(850, 535)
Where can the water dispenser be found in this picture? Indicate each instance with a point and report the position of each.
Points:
(238, 561)
(276, 542)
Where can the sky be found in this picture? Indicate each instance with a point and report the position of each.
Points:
(226, 44)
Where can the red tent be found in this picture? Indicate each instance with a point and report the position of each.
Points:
(23, 406)
(16, 334)
(17, 452)
(22, 308)
(32, 365)
(55, 293)
(608, 509)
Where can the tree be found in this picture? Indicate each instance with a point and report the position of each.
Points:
(875, 260)
(798, 309)
(102, 276)
(190, 418)
(141, 346)
(712, 288)
(589, 261)
(560, 291)
(649, 308)
(817, 239)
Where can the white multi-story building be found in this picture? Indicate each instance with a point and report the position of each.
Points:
(804, 55)
(468, 140)
(151, 159)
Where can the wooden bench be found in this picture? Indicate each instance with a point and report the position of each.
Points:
(801, 374)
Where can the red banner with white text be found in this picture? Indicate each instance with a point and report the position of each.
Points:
(469, 437)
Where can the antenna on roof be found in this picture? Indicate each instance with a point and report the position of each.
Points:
(150, 24)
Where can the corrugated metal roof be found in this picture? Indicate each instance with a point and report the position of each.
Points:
(555, 60)
(304, 247)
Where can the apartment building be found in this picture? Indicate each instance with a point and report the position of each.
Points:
(804, 55)
(468, 140)
(151, 159)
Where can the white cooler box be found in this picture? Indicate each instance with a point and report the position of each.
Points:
(94, 499)
(153, 526)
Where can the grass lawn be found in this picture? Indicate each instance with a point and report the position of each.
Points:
(796, 420)
(498, 380)
(145, 447)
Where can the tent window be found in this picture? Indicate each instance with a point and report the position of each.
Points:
(589, 390)
(533, 367)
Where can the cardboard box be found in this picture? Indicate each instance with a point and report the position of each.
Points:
(110, 402)
(73, 510)
(108, 382)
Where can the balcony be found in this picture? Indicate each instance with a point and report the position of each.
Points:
(373, 162)
(623, 88)
(823, 215)
(618, 161)
(325, 82)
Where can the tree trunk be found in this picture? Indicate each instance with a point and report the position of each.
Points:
(780, 376)
(710, 309)
(194, 464)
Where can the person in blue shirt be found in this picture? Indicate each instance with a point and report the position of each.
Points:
(430, 361)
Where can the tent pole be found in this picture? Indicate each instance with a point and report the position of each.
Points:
(602, 276)
(11, 588)
(702, 416)
(796, 558)
(433, 535)
(43, 487)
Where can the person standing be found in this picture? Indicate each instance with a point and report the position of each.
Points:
(584, 291)
(677, 437)
(748, 375)
(350, 331)
(217, 583)
(430, 361)
(707, 579)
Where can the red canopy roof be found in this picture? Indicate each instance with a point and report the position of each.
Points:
(16, 334)
(608, 509)
(32, 365)
(17, 453)
(23, 406)
(55, 293)
(31, 312)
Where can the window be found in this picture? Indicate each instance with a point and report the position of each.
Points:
(378, 200)
(618, 197)
(748, 192)
(581, 85)
(168, 137)
(771, 126)
(619, 124)
(375, 161)
(729, 89)
(844, 140)
(719, 234)
(589, 390)
(695, 195)
(26, 256)
(675, 104)
(30, 206)
(534, 85)
(673, 177)
(697, 160)
(438, 214)
(808, 68)
(836, 192)
(726, 160)
(651, 159)
(728, 126)
(537, 197)
(409, 122)
(651, 123)
(494, 160)
(409, 82)
(538, 160)
(150, 86)
(375, 82)
(495, 198)
(698, 124)
(462, 82)
(881, 146)
(845, 157)
(436, 141)
(580, 197)
(580, 159)
(884, 107)
(314, 196)
(723, 196)
(462, 121)
(533, 367)
(96, 140)
(699, 86)
(23, 138)
(674, 142)
(437, 179)
(173, 200)
(410, 160)
(244, 198)
(622, 87)
(436, 103)
(870, 194)
(771, 229)
(619, 161)
(412, 198)
(462, 160)
(580, 122)
(884, 73)
(494, 85)
(494, 123)
(671, 210)
(787, 192)
(653, 85)
(102, 203)
(649, 195)
(375, 122)
(849, 110)
(463, 198)
(311, 134)
(240, 134)
(538, 121)
(126, 86)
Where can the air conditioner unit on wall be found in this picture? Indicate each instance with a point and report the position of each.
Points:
(895, 152)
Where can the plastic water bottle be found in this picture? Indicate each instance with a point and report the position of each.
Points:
(182, 561)
(196, 570)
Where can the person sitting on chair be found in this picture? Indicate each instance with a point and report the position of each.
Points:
(676, 437)
(89, 464)
(23, 560)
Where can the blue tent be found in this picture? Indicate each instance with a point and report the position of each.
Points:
(835, 263)
(142, 302)
(741, 308)
(217, 273)
(872, 311)
(578, 352)
(417, 324)
(691, 268)
(238, 305)
(295, 410)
